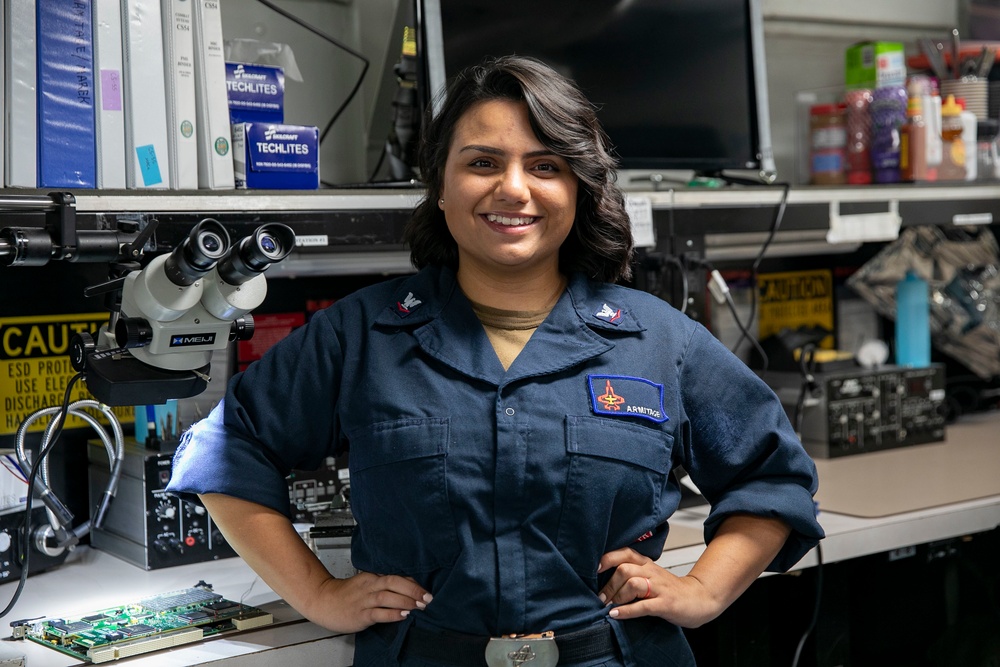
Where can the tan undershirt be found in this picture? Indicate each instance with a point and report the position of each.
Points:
(509, 330)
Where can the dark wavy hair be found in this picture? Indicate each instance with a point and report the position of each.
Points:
(600, 243)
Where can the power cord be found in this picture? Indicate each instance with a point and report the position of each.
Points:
(807, 366)
(340, 45)
(60, 518)
(24, 557)
(779, 215)
(720, 292)
(816, 606)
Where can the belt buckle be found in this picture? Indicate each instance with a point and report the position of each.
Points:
(523, 651)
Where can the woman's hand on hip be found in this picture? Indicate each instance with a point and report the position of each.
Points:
(640, 587)
(355, 603)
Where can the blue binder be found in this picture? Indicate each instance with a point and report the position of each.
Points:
(67, 155)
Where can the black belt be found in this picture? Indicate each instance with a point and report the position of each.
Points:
(462, 650)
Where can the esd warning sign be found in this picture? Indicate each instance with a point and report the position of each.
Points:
(35, 368)
(796, 299)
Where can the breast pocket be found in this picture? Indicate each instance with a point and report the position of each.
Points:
(399, 496)
(617, 475)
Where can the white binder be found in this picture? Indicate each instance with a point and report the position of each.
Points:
(20, 91)
(110, 123)
(178, 63)
(147, 156)
(215, 143)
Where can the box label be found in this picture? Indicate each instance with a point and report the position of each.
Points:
(256, 93)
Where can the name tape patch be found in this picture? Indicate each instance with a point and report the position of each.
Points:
(624, 396)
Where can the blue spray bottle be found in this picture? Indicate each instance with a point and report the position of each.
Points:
(913, 325)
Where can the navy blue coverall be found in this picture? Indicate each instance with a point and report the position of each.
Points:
(498, 491)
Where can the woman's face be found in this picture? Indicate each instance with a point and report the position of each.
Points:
(509, 202)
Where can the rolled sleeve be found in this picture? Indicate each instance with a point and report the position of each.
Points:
(210, 459)
(742, 451)
(278, 415)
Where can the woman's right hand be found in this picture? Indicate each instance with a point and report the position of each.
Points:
(267, 541)
(355, 603)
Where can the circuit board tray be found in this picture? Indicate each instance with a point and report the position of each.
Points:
(151, 624)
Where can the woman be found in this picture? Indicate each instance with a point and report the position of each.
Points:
(512, 418)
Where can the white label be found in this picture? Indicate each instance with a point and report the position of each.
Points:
(972, 219)
(640, 212)
(312, 240)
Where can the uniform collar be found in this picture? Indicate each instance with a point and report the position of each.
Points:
(431, 304)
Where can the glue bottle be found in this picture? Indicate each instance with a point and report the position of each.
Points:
(913, 322)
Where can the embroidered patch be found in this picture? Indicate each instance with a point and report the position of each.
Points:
(623, 396)
(407, 305)
(609, 314)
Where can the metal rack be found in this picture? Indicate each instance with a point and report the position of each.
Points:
(365, 223)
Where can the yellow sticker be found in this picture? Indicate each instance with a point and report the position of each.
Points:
(796, 299)
(35, 368)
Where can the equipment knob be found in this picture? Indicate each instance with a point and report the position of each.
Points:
(4, 541)
(133, 332)
(80, 346)
(242, 328)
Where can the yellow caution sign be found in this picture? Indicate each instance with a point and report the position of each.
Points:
(796, 299)
(35, 368)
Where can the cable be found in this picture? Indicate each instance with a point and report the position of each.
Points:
(775, 225)
(746, 334)
(25, 556)
(807, 365)
(364, 70)
(720, 292)
(816, 606)
(59, 516)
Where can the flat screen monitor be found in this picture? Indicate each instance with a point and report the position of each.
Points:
(679, 84)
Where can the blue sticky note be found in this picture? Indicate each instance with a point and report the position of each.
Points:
(148, 165)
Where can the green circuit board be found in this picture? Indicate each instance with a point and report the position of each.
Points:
(151, 624)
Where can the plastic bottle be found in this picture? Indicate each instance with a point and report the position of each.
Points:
(932, 116)
(952, 145)
(888, 113)
(969, 134)
(913, 143)
(913, 325)
(859, 159)
(987, 151)
(828, 138)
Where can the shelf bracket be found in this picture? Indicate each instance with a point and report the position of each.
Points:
(863, 227)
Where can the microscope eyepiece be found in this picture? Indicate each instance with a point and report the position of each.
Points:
(268, 244)
(198, 254)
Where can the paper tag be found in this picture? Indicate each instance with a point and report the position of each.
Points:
(640, 212)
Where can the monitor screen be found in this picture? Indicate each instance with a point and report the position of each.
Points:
(679, 84)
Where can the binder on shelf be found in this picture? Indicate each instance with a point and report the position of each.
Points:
(67, 149)
(215, 155)
(20, 95)
(3, 73)
(147, 160)
(110, 120)
(178, 62)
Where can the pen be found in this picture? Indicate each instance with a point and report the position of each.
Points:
(955, 50)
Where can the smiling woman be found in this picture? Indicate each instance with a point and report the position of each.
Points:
(512, 419)
(560, 142)
(509, 203)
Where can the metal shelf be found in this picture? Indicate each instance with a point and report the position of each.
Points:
(372, 219)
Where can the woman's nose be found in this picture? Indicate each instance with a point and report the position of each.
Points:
(513, 185)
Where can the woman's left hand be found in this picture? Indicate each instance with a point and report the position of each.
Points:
(640, 587)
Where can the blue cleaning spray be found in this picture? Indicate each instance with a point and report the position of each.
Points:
(913, 326)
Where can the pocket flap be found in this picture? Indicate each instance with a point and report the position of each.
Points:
(619, 441)
(399, 440)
